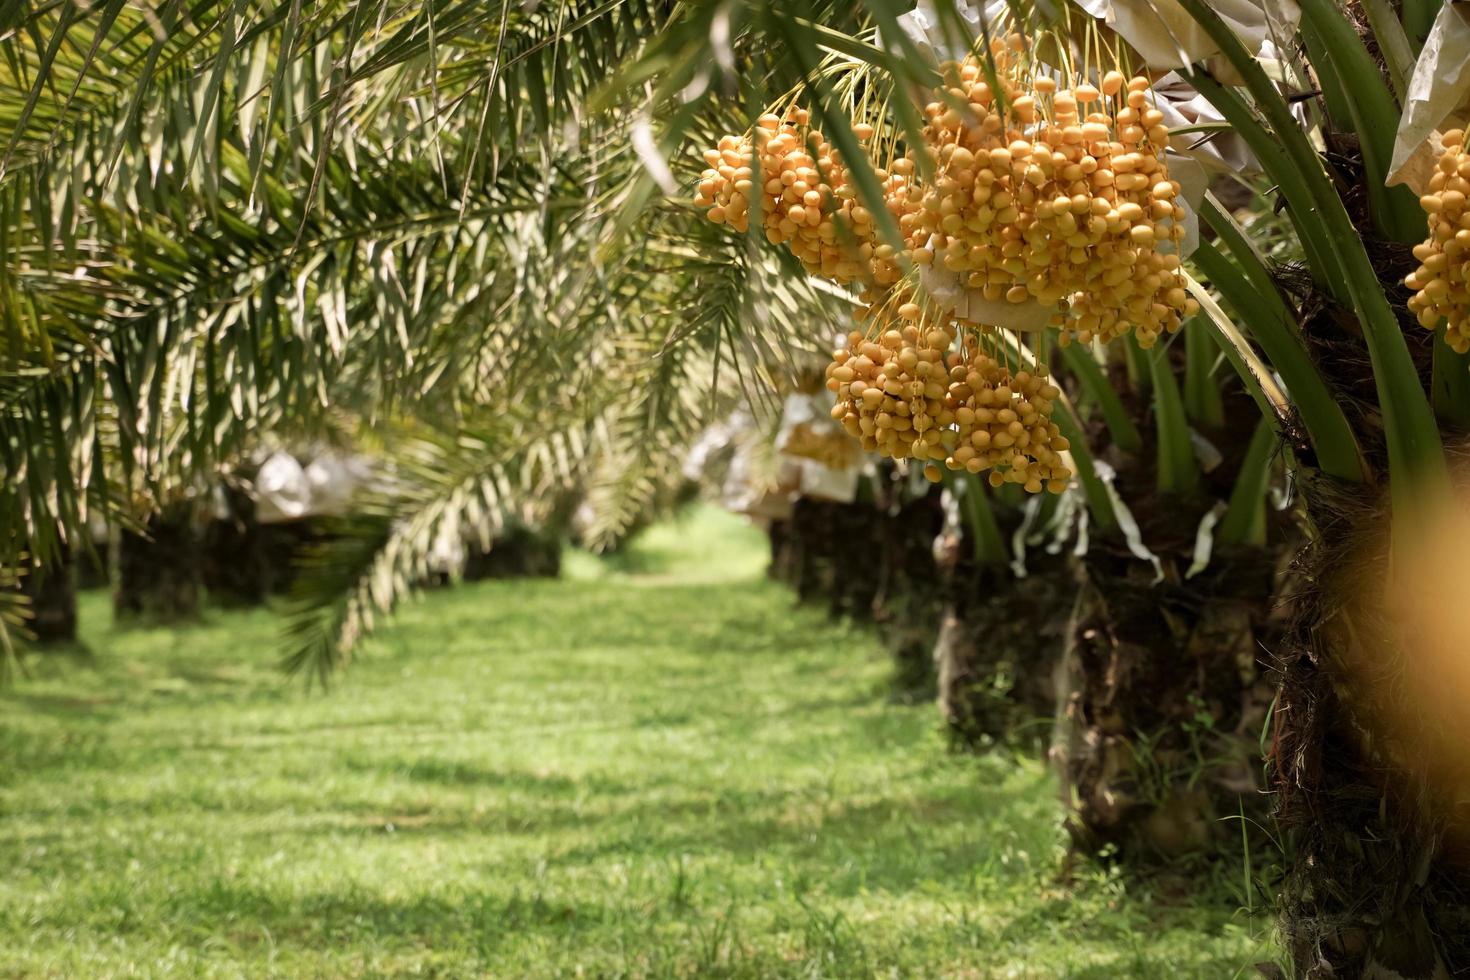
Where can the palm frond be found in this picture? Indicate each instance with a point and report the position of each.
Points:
(439, 486)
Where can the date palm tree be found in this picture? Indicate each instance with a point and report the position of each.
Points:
(403, 224)
(1360, 396)
(449, 227)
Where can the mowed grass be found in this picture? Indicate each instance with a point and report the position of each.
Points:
(653, 767)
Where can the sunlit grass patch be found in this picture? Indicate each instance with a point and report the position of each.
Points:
(685, 778)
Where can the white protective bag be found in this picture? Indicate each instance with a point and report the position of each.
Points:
(282, 492)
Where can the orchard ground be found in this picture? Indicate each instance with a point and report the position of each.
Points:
(656, 766)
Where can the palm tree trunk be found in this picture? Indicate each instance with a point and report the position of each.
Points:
(159, 574)
(785, 551)
(53, 594)
(816, 526)
(999, 643)
(1162, 691)
(872, 559)
(909, 600)
(92, 559)
(853, 590)
(820, 552)
(1370, 782)
(1164, 700)
(283, 544)
(518, 551)
(236, 569)
(1370, 800)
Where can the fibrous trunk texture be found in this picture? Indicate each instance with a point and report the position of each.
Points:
(236, 568)
(785, 541)
(91, 561)
(518, 551)
(1372, 792)
(1162, 701)
(158, 573)
(816, 552)
(999, 643)
(909, 603)
(871, 560)
(53, 594)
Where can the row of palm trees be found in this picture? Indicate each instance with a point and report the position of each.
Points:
(456, 233)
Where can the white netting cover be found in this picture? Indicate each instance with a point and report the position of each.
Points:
(334, 478)
(1164, 33)
(748, 488)
(1438, 98)
(282, 491)
(828, 461)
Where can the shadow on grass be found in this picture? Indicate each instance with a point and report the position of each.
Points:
(635, 560)
(889, 845)
(443, 772)
(24, 754)
(901, 842)
(716, 618)
(367, 917)
(67, 707)
(736, 615)
(667, 918)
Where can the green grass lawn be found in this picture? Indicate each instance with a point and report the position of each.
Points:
(654, 767)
